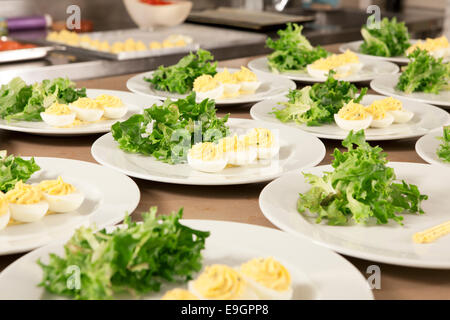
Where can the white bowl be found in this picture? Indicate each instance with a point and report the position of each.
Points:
(149, 16)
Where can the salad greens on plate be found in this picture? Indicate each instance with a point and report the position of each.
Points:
(19, 101)
(317, 105)
(390, 39)
(443, 152)
(135, 258)
(179, 78)
(424, 73)
(292, 51)
(360, 189)
(168, 131)
(15, 169)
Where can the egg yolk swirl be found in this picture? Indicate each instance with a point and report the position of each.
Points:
(205, 83)
(24, 194)
(225, 77)
(86, 103)
(108, 101)
(56, 187)
(378, 111)
(3, 204)
(352, 111)
(245, 75)
(58, 109)
(261, 137)
(430, 44)
(206, 151)
(220, 282)
(267, 272)
(179, 294)
(335, 60)
(389, 104)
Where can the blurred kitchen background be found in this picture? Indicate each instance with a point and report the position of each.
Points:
(239, 30)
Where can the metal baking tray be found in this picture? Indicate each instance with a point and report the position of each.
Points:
(38, 52)
(203, 37)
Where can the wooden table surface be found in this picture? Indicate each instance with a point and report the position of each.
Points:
(232, 203)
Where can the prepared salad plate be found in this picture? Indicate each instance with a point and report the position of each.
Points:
(420, 119)
(386, 85)
(232, 161)
(434, 147)
(93, 112)
(315, 273)
(47, 198)
(366, 207)
(228, 92)
(364, 70)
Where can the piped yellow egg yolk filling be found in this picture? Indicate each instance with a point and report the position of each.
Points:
(335, 60)
(206, 151)
(389, 104)
(225, 77)
(245, 75)
(3, 204)
(352, 111)
(220, 282)
(267, 272)
(179, 294)
(433, 233)
(108, 101)
(430, 44)
(87, 103)
(261, 137)
(56, 187)
(205, 83)
(58, 109)
(234, 143)
(378, 111)
(24, 194)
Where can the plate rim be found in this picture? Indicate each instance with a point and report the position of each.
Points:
(360, 254)
(421, 153)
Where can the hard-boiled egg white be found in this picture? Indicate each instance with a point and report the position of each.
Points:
(221, 282)
(61, 196)
(113, 106)
(238, 150)
(26, 203)
(58, 115)
(353, 116)
(344, 64)
(87, 109)
(206, 157)
(5, 215)
(230, 85)
(205, 86)
(401, 116)
(268, 278)
(381, 118)
(265, 141)
(248, 80)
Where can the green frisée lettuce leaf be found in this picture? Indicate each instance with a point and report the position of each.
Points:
(19, 101)
(361, 188)
(389, 40)
(424, 73)
(179, 78)
(292, 51)
(317, 105)
(15, 169)
(443, 151)
(136, 258)
(168, 131)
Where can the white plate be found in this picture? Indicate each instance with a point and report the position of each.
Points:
(426, 117)
(134, 102)
(370, 70)
(271, 86)
(389, 243)
(427, 146)
(108, 195)
(297, 150)
(386, 85)
(317, 273)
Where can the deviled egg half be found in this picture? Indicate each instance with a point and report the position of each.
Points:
(26, 203)
(179, 294)
(87, 109)
(437, 47)
(265, 141)
(58, 115)
(248, 80)
(5, 215)
(353, 116)
(205, 86)
(381, 118)
(61, 196)
(231, 86)
(113, 106)
(221, 282)
(206, 157)
(395, 108)
(238, 150)
(268, 278)
(344, 64)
